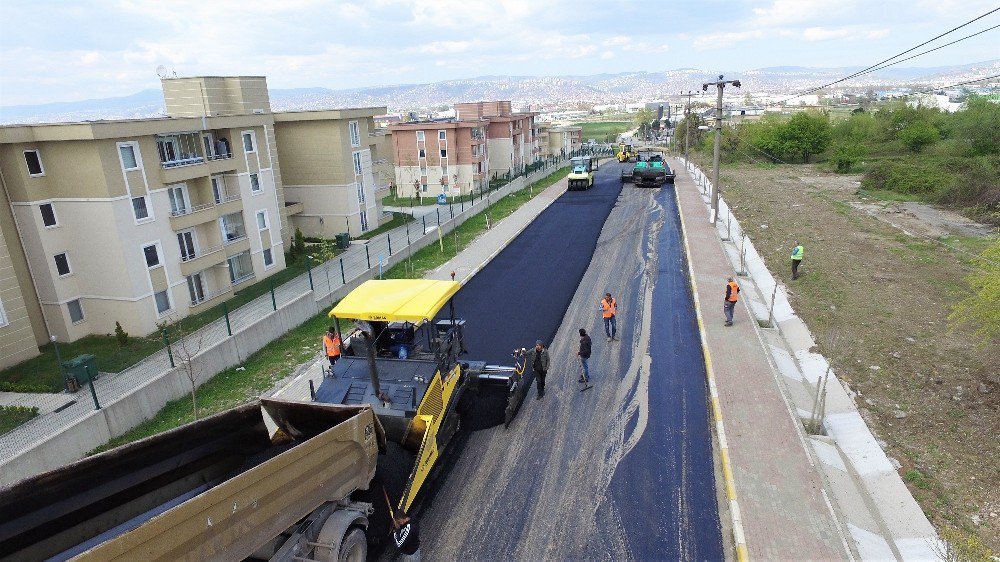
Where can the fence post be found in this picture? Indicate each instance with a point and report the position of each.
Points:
(451, 209)
(770, 314)
(438, 209)
(407, 234)
(274, 302)
(93, 393)
(423, 221)
(368, 257)
(388, 238)
(225, 312)
(343, 278)
(309, 270)
(170, 352)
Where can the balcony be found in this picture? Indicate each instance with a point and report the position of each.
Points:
(214, 297)
(381, 191)
(292, 208)
(236, 243)
(189, 217)
(243, 279)
(204, 259)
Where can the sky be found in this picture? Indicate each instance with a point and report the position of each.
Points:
(68, 51)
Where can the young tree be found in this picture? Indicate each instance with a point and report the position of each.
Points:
(981, 307)
(185, 345)
(807, 133)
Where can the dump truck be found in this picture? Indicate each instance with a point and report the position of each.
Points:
(402, 360)
(650, 169)
(581, 174)
(272, 480)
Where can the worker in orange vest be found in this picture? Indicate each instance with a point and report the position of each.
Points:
(609, 308)
(331, 346)
(732, 290)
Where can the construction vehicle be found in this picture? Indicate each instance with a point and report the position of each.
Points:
(267, 481)
(650, 170)
(625, 153)
(403, 362)
(581, 175)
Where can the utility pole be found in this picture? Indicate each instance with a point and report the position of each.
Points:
(720, 84)
(687, 123)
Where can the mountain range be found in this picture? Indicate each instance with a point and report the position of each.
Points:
(535, 90)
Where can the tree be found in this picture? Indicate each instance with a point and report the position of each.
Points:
(981, 308)
(918, 135)
(643, 116)
(121, 335)
(847, 154)
(185, 345)
(807, 133)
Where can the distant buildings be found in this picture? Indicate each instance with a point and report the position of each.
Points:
(559, 140)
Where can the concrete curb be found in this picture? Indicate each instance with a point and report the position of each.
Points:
(727, 470)
(875, 507)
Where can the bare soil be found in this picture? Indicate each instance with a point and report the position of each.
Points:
(877, 289)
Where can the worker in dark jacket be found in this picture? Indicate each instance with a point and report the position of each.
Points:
(538, 358)
(584, 353)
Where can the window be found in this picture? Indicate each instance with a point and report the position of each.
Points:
(127, 152)
(444, 169)
(48, 215)
(139, 208)
(196, 289)
(209, 143)
(162, 299)
(75, 311)
(364, 221)
(178, 200)
(420, 136)
(3, 316)
(240, 267)
(232, 227)
(34, 161)
(262, 219)
(62, 264)
(444, 153)
(357, 163)
(442, 135)
(268, 257)
(421, 153)
(423, 171)
(248, 141)
(152, 255)
(423, 185)
(254, 183)
(186, 242)
(355, 133)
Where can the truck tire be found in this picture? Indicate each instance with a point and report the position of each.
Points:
(354, 547)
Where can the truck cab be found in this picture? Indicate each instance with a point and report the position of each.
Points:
(581, 175)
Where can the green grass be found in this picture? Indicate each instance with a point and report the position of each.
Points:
(890, 196)
(280, 358)
(13, 416)
(398, 219)
(917, 478)
(429, 199)
(599, 130)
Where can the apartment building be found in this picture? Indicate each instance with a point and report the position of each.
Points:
(22, 328)
(329, 160)
(443, 156)
(512, 138)
(148, 220)
(564, 139)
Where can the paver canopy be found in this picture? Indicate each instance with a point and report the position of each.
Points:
(396, 300)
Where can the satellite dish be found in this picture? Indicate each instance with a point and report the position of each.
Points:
(161, 71)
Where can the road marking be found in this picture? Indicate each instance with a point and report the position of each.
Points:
(727, 469)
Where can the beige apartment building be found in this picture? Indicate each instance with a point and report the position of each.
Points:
(564, 139)
(148, 220)
(442, 156)
(330, 159)
(512, 138)
(22, 328)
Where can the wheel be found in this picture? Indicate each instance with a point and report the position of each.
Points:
(354, 547)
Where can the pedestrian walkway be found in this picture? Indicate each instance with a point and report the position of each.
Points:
(783, 507)
(362, 258)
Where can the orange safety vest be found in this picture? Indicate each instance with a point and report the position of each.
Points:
(734, 289)
(610, 308)
(331, 345)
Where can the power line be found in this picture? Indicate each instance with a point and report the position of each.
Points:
(878, 64)
(983, 79)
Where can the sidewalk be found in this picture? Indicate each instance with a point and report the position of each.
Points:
(465, 265)
(783, 506)
(361, 259)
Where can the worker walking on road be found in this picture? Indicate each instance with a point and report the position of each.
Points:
(797, 253)
(609, 308)
(584, 353)
(331, 346)
(538, 358)
(732, 290)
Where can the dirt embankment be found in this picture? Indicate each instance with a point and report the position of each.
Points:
(876, 293)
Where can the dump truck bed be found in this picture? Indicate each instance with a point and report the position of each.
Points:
(218, 488)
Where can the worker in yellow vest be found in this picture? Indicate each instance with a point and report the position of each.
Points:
(728, 305)
(331, 346)
(609, 309)
(797, 253)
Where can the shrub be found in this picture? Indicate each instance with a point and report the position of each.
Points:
(121, 335)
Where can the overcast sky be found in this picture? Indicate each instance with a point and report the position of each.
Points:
(66, 51)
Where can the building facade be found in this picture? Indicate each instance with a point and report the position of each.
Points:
(512, 138)
(329, 161)
(564, 139)
(149, 220)
(22, 328)
(433, 157)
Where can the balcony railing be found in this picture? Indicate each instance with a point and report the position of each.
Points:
(381, 190)
(207, 296)
(185, 161)
(224, 156)
(234, 237)
(242, 279)
(189, 210)
(203, 252)
(227, 197)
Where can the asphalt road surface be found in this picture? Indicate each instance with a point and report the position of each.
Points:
(623, 471)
